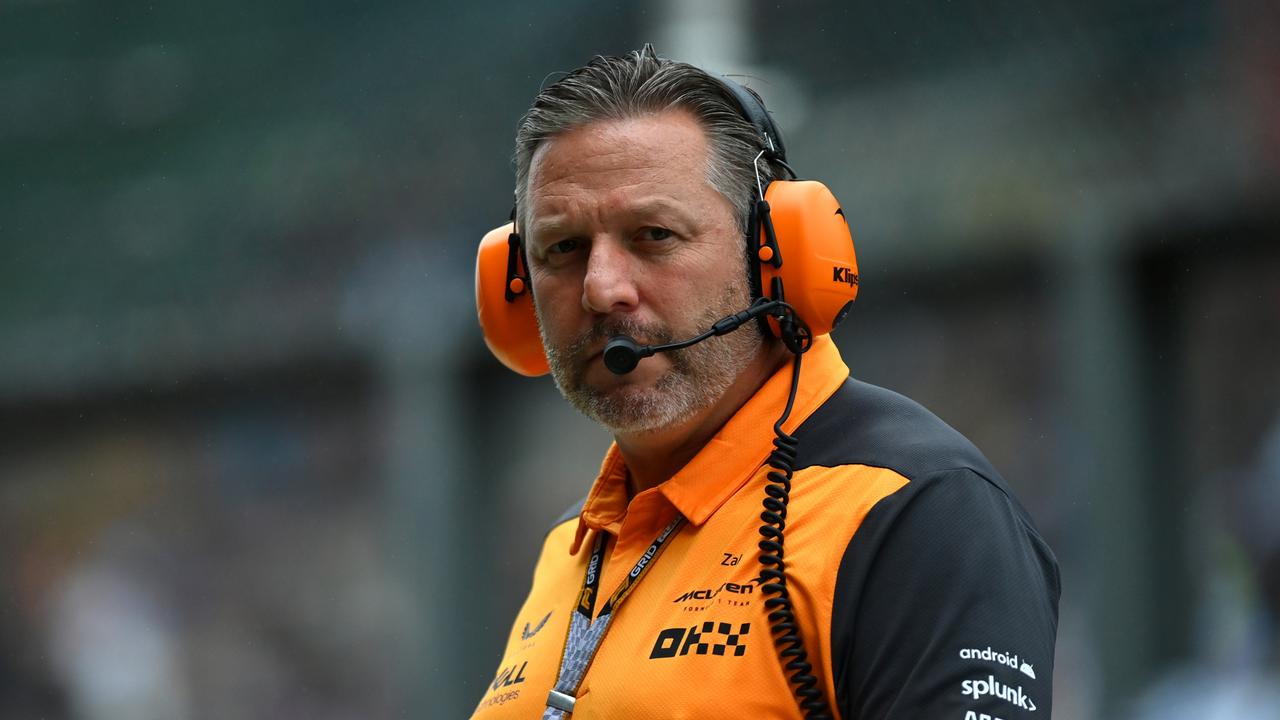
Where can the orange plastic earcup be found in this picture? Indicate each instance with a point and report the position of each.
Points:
(819, 267)
(510, 328)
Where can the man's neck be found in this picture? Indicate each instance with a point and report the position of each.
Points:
(654, 456)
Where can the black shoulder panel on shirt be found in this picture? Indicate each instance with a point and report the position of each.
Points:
(862, 424)
(571, 513)
(946, 602)
(946, 590)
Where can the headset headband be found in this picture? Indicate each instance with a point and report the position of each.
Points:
(752, 109)
(757, 114)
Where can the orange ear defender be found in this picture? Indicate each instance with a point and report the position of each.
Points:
(505, 303)
(805, 253)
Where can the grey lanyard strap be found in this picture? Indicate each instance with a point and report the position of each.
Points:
(584, 633)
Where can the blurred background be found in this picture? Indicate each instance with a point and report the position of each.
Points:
(256, 462)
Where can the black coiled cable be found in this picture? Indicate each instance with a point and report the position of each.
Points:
(782, 620)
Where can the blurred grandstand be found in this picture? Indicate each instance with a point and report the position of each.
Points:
(255, 461)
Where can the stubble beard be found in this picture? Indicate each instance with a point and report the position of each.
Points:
(698, 377)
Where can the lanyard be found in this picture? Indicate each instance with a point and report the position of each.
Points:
(585, 634)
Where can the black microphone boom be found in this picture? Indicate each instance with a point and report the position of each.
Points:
(622, 353)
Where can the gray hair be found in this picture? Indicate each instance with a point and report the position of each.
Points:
(641, 83)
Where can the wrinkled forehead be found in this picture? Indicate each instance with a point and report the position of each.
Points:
(668, 146)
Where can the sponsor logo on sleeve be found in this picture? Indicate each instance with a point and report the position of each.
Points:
(528, 632)
(499, 699)
(976, 689)
(503, 686)
(510, 675)
(1003, 658)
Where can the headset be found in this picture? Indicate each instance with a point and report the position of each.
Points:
(804, 278)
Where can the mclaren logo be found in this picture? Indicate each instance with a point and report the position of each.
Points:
(711, 593)
(845, 275)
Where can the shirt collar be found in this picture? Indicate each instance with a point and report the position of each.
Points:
(732, 455)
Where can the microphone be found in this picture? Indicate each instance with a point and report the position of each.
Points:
(622, 353)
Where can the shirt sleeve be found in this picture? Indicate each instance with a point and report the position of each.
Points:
(946, 606)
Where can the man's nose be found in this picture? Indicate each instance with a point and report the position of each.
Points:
(609, 285)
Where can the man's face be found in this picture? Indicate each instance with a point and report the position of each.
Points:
(626, 236)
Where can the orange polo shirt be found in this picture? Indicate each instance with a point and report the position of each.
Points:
(909, 563)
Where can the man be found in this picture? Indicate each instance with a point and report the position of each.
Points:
(915, 585)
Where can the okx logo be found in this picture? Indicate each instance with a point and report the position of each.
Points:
(714, 637)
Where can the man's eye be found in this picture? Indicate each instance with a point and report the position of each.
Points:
(655, 233)
(563, 247)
